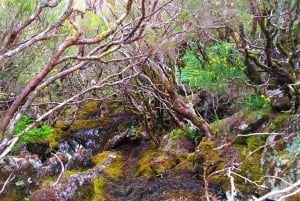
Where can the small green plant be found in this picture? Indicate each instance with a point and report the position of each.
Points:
(191, 133)
(34, 134)
(256, 102)
(180, 132)
(133, 128)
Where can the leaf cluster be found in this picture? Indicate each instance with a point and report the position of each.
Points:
(223, 65)
(256, 102)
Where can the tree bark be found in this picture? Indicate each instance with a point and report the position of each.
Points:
(189, 113)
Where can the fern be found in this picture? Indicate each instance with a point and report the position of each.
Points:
(224, 64)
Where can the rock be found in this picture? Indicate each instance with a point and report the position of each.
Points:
(251, 123)
(127, 136)
(180, 144)
(82, 158)
(45, 194)
(76, 186)
(282, 160)
(179, 186)
(162, 163)
(19, 174)
(52, 166)
(79, 159)
(42, 149)
(281, 102)
(20, 162)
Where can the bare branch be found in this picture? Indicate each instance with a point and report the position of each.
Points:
(282, 191)
(61, 172)
(9, 179)
(41, 36)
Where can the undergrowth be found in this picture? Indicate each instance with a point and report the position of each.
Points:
(34, 134)
(223, 65)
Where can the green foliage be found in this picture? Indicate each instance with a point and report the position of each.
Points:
(256, 102)
(176, 133)
(179, 132)
(224, 64)
(20, 6)
(191, 133)
(93, 24)
(34, 134)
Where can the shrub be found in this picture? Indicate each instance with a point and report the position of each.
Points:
(223, 65)
(256, 102)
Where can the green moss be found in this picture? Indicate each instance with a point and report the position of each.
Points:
(114, 170)
(55, 137)
(37, 134)
(89, 124)
(62, 124)
(144, 168)
(278, 122)
(280, 119)
(219, 127)
(99, 184)
(88, 108)
(115, 107)
(84, 193)
(254, 142)
(68, 173)
(251, 167)
(177, 133)
(155, 162)
(206, 145)
(48, 181)
(205, 155)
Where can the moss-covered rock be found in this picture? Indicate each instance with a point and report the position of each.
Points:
(155, 162)
(250, 149)
(114, 170)
(241, 122)
(90, 123)
(205, 157)
(19, 174)
(186, 164)
(178, 143)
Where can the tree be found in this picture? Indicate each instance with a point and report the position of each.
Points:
(63, 59)
(95, 52)
(270, 45)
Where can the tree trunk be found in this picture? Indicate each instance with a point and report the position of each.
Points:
(189, 113)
